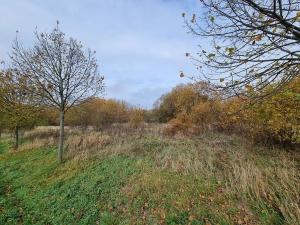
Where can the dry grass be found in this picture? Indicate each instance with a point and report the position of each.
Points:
(37, 143)
(256, 173)
(79, 146)
(267, 179)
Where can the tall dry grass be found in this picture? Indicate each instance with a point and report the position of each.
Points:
(268, 178)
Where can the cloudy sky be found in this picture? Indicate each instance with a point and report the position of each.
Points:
(140, 44)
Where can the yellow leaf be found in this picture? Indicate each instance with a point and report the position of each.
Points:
(258, 37)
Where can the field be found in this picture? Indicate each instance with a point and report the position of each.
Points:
(126, 175)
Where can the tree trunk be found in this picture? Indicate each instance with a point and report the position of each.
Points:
(61, 136)
(16, 138)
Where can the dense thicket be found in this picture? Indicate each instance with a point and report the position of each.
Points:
(190, 109)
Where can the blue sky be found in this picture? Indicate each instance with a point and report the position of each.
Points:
(140, 44)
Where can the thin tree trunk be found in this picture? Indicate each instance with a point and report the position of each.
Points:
(61, 136)
(16, 137)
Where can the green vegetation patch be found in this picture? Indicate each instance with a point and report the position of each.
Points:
(4, 146)
(30, 194)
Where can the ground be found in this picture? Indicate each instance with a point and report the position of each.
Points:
(148, 179)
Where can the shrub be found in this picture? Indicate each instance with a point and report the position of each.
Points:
(180, 100)
(182, 125)
(273, 120)
(136, 117)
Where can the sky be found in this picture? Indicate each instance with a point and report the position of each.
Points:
(140, 44)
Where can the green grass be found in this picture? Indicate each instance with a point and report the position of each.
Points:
(3, 147)
(35, 190)
(139, 187)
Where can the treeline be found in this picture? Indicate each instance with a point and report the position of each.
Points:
(194, 108)
(96, 112)
(189, 109)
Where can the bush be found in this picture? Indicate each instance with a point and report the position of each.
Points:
(181, 125)
(273, 120)
(136, 117)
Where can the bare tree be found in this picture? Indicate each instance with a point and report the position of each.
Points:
(62, 72)
(247, 44)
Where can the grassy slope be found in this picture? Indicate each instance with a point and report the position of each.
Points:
(120, 189)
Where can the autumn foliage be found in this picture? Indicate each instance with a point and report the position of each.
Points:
(98, 113)
(189, 109)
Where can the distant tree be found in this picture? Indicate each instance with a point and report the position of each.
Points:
(151, 116)
(247, 44)
(16, 103)
(98, 112)
(164, 108)
(181, 99)
(62, 72)
(137, 117)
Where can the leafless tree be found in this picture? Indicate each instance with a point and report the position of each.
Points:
(62, 72)
(247, 44)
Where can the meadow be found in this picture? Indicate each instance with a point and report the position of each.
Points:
(137, 175)
(86, 143)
